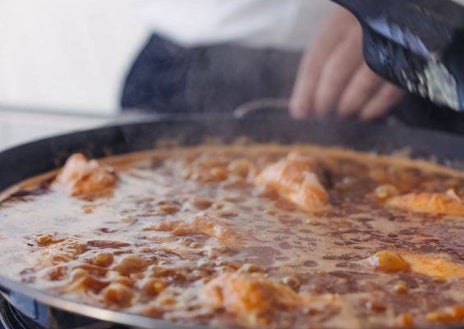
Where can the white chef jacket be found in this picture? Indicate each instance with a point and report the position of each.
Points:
(277, 23)
(73, 55)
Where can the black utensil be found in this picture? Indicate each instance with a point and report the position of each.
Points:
(417, 44)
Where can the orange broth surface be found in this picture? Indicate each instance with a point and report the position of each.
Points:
(255, 236)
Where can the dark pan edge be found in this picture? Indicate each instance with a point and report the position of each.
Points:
(368, 137)
(85, 310)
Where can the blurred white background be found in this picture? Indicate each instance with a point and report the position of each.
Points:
(63, 62)
(84, 47)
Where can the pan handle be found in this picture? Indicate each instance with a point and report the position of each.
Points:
(261, 104)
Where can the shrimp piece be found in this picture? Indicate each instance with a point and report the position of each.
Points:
(81, 177)
(447, 315)
(432, 203)
(258, 302)
(253, 298)
(294, 179)
(398, 261)
(200, 224)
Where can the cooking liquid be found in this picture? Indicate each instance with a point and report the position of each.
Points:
(179, 218)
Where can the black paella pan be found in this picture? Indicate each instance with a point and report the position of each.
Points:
(35, 158)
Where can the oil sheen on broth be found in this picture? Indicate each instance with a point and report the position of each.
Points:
(256, 236)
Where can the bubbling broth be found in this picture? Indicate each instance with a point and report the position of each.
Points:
(256, 236)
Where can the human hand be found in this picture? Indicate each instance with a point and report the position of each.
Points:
(334, 77)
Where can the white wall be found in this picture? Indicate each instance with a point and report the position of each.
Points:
(67, 55)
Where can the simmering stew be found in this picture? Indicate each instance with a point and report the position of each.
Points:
(255, 236)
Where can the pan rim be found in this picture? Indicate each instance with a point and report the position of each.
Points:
(9, 286)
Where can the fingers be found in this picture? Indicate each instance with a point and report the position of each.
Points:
(304, 90)
(385, 98)
(337, 72)
(328, 39)
(360, 89)
(333, 75)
